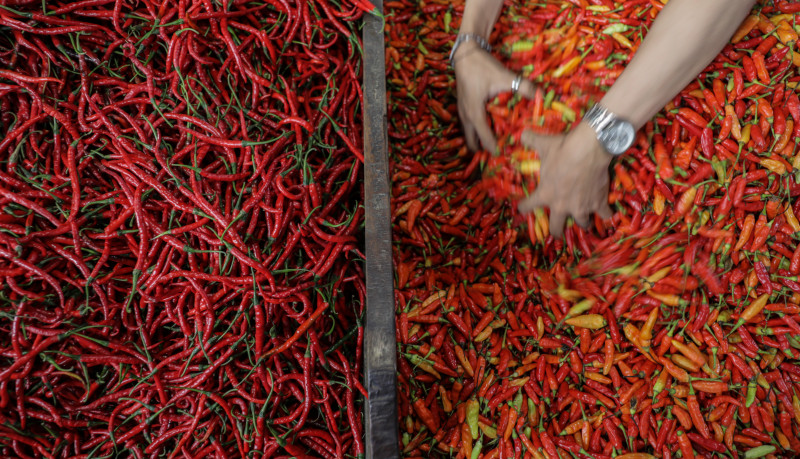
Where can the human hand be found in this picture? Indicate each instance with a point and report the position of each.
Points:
(480, 77)
(573, 179)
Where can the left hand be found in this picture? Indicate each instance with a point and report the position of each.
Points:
(573, 178)
(480, 77)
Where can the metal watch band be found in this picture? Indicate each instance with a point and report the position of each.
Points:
(615, 134)
(598, 117)
(465, 37)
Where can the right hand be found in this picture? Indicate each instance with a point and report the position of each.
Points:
(480, 77)
(573, 178)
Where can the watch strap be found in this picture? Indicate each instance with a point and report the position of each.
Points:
(601, 119)
(598, 117)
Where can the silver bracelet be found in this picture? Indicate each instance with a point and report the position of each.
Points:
(464, 37)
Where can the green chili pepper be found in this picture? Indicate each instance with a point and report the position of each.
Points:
(548, 98)
(476, 450)
(472, 418)
(531, 410)
(758, 451)
(751, 393)
(568, 115)
(721, 169)
(616, 28)
(522, 46)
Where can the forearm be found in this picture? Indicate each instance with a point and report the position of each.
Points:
(480, 16)
(684, 39)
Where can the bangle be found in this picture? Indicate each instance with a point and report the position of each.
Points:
(464, 37)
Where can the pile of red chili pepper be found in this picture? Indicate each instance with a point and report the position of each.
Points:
(670, 330)
(180, 210)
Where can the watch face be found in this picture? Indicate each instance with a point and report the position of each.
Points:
(617, 137)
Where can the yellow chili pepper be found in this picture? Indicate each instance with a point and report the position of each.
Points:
(622, 40)
(658, 275)
(736, 127)
(746, 134)
(646, 334)
(658, 202)
(691, 354)
(774, 165)
(567, 67)
(666, 298)
(590, 321)
(581, 307)
(791, 219)
(751, 311)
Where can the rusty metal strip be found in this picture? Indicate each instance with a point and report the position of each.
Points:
(380, 347)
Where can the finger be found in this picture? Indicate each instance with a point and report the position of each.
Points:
(469, 133)
(485, 133)
(506, 83)
(582, 220)
(557, 221)
(527, 89)
(604, 211)
(531, 203)
(537, 142)
(471, 137)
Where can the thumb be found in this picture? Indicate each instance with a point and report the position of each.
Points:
(540, 143)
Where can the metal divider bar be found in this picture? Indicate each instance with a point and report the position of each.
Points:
(380, 364)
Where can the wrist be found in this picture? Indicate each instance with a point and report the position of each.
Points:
(620, 105)
(588, 136)
(479, 17)
(464, 51)
(467, 43)
(476, 25)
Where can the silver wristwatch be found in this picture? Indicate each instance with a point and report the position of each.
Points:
(614, 133)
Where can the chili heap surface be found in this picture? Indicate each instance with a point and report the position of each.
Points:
(180, 211)
(670, 330)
